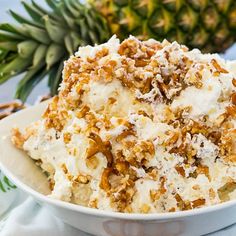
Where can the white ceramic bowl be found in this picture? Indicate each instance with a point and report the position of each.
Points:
(27, 176)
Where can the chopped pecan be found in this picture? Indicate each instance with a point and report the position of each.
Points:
(102, 53)
(141, 62)
(128, 47)
(180, 170)
(122, 166)
(64, 168)
(198, 202)
(55, 118)
(145, 208)
(225, 190)
(231, 158)
(183, 205)
(83, 179)
(67, 137)
(155, 195)
(17, 138)
(172, 209)
(202, 169)
(82, 112)
(153, 173)
(174, 136)
(94, 203)
(142, 112)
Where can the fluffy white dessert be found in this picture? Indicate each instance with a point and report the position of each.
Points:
(139, 126)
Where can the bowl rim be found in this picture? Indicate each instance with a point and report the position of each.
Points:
(103, 213)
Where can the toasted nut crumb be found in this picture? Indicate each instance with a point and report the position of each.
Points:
(128, 209)
(212, 194)
(94, 203)
(231, 111)
(67, 137)
(180, 170)
(153, 174)
(198, 202)
(196, 187)
(92, 162)
(111, 100)
(64, 168)
(202, 169)
(17, 138)
(155, 195)
(218, 67)
(83, 111)
(83, 179)
(224, 191)
(220, 119)
(233, 97)
(231, 158)
(172, 209)
(234, 82)
(122, 166)
(145, 208)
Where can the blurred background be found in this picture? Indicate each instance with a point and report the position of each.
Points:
(7, 89)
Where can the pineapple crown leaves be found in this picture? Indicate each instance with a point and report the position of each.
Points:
(38, 44)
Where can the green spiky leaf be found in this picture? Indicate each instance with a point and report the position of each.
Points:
(27, 84)
(34, 13)
(38, 34)
(27, 48)
(23, 20)
(40, 42)
(54, 54)
(16, 30)
(55, 78)
(11, 46)
(39, 55)
(55, 31)
(14, 67)
(69, 44)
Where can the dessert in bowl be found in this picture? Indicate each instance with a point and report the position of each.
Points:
(140, 127)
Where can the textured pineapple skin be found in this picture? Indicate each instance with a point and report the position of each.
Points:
(209, 25)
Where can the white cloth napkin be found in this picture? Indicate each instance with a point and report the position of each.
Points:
(30, 219)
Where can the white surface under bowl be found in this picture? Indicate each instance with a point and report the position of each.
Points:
(27, 176)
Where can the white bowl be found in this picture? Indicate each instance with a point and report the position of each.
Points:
(27, 176)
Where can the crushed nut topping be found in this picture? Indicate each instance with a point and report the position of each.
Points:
(139, 126)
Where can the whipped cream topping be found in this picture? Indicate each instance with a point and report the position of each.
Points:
(139, 126)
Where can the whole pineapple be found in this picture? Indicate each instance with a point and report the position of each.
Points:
(38, 45)
(206, 24)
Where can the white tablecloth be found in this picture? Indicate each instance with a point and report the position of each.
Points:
(28, 218)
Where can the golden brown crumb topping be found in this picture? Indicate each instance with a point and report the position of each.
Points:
(146, 125)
